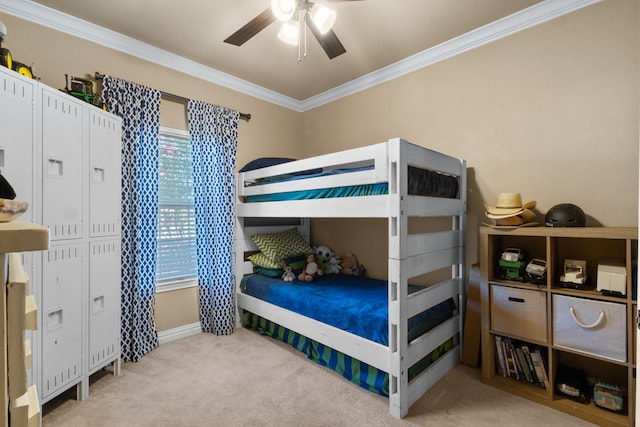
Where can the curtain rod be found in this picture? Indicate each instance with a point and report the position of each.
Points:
(172, 97)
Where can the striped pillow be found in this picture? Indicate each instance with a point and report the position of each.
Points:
(278, 246)
(261, 260)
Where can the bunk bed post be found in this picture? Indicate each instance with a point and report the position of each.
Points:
(398, 345)
(460, 224)
(238, 232)
(398, 282)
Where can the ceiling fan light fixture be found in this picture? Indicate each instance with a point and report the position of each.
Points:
(290, 32)
(284, 10)
(322, 17)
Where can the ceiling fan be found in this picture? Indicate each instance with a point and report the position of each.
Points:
(317, 17)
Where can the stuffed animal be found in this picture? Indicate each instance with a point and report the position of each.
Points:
(350, 265)
(334, 265)
(323, 255)
(288, 275)
(312, 271)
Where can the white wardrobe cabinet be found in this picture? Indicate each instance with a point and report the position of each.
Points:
(61, 353)
(63, 157)
(62, 147)
(18, 106)
(104, 339)
(17, 112)
(104, 174)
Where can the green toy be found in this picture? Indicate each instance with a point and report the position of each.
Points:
(83, 89)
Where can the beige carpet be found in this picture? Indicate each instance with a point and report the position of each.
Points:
(248, 380)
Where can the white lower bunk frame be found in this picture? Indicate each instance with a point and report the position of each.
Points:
(409, 255)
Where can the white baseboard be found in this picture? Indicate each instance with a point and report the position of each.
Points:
(179, 332)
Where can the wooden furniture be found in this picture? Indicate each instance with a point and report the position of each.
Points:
(600, 340)
(409, 255)
(18, 314)
(62, 156)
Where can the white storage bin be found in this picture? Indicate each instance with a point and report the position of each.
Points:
(519, 312)
(594, 327)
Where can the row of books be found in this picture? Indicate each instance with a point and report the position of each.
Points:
(522, 361)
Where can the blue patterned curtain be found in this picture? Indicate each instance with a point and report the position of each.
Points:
(214, 138)
(139, 108)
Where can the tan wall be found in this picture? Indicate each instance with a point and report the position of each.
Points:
(177, 308)
(551, 112)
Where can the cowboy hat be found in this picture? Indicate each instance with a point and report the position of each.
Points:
(508, 205)
(526, 218)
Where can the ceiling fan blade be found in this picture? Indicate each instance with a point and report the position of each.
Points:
(329, 41)
(251, 28)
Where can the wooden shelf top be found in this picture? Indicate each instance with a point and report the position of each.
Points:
(584, 232)
(22, 236)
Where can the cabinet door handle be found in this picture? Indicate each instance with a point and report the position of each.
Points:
(514, 299)
(591, 326)
(98, 174)
(55, 168)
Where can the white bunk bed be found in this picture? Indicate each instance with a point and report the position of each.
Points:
(409, 255)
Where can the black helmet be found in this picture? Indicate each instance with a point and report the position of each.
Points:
(565, 215)
(6, 190)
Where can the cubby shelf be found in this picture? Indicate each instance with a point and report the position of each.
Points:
(539, 314)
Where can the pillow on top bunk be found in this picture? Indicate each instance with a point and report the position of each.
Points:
(279, 246)
(264, 162)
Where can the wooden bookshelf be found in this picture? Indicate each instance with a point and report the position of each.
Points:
(538, 316)
(16, 398)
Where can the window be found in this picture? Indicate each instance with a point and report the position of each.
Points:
(177, 263)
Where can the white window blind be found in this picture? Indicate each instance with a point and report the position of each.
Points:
(176, 218)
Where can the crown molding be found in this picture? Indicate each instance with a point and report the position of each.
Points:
(527, 18)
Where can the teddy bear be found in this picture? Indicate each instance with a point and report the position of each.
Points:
(350, 265)
(323, 255)
(288, 275)
(312, 271)
(334, 266)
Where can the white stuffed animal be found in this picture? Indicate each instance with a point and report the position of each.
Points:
(323, 257)
(334, 265)
(288, 275)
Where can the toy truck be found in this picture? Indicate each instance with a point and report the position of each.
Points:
(536, 271)
(574, 271)
(575, 274)
(608, 396)
(512, 264)
(83, 89)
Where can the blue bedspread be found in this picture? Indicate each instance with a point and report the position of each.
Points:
(354, 304)
(321, 193)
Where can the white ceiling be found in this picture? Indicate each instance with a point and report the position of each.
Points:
(376, 34)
